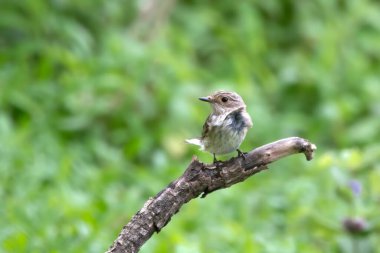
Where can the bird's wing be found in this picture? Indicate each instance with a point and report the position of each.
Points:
(212, 121)
(207, 126)
(247, 119)
(243, 115)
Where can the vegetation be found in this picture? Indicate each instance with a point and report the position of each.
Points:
(97, 97)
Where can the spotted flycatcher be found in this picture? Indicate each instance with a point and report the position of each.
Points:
(227, 125)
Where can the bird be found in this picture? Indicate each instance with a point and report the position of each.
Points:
(227, 125)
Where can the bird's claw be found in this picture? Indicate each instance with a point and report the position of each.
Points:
(241, 154)
(215, 160)
(217, 163)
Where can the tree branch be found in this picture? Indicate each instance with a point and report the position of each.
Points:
(200, 178)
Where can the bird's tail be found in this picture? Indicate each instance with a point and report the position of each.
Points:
(195, 141)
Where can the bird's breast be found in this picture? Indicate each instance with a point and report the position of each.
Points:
(228, 135)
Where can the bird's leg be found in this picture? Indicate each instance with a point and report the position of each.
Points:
(241, 154)
(215, 161)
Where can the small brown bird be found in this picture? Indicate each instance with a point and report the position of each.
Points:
(227, 125)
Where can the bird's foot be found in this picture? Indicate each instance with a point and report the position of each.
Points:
(217, 163)
(241, 154)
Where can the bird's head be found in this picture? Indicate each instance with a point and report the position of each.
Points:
(224, 102)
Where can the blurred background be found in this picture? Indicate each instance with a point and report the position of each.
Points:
(97, 98)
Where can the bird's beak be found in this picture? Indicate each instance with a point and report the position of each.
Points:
(206, 99)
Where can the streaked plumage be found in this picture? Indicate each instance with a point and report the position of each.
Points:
(227, 125)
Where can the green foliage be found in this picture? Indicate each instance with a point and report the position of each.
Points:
(95, 104)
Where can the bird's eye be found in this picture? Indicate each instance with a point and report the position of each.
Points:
(224, 99)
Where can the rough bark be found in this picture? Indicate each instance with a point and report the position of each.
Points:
(201, 179)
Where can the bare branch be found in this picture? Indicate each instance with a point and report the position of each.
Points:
(202, 179)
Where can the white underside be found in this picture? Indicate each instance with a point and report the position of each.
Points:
(223, 136)
(221, 140)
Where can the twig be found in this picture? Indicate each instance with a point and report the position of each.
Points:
(202, 179)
